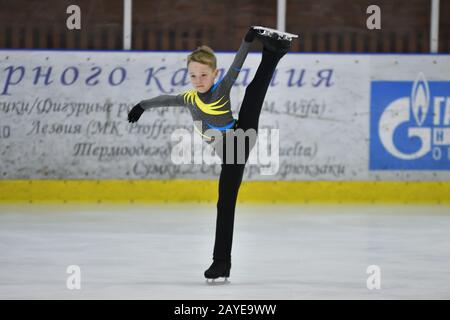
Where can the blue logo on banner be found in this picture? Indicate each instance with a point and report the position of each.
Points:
(410, 125)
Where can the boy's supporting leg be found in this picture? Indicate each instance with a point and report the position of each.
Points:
(229, 184)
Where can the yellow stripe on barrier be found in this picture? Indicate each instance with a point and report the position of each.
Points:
(160, 191)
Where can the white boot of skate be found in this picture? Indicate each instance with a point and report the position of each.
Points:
(272, 32)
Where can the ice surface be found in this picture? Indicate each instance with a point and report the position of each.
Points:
(279, 252)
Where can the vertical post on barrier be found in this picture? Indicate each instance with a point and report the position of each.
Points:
(281, 15)
(434, 29)
(127, 6)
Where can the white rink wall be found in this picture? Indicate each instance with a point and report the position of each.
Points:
(340, 117)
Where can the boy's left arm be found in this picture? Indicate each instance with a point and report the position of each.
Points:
(233, 72)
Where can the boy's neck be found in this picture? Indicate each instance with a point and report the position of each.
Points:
(200, 94)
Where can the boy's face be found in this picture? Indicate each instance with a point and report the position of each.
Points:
(202, 76)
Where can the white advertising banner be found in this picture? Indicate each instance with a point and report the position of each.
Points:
(63, 115)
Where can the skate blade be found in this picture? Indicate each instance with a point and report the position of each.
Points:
(217, 282)
(269, 31)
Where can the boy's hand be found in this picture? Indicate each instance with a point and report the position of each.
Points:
(135, 113)
(251, 33)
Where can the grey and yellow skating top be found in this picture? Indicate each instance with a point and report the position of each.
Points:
(212, 109)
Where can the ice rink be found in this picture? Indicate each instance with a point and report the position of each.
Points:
(279, 252)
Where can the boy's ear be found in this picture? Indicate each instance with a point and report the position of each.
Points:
(216, 73)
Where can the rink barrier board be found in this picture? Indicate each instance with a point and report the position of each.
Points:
(177, 190)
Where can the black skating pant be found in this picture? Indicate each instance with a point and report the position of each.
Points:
(232, 173)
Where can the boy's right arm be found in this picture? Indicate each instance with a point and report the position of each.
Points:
(159, 101)
(163, 101)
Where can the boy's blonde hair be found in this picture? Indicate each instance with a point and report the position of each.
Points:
(204, 55)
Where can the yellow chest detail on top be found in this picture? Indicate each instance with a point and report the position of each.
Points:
(192, 97)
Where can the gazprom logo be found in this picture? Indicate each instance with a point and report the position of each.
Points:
(410, 125)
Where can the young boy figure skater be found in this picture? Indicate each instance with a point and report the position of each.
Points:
(209, 104)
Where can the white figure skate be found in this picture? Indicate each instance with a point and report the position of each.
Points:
(217, 281)
(280, 35)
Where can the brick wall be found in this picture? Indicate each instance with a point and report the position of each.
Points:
(340, 25)
(323, 25)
